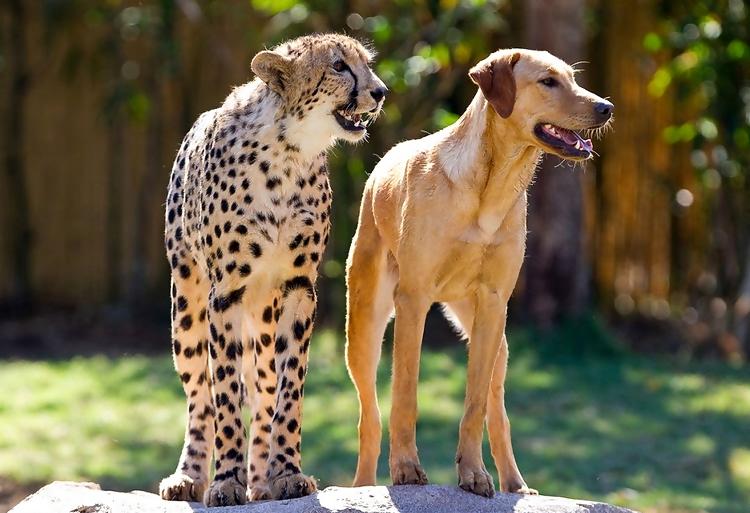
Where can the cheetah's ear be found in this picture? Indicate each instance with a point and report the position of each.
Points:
(272, 68)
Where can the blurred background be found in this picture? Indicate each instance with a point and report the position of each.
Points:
(631, 321)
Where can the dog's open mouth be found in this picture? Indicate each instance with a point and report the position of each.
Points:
(352, 122)
(565, 142)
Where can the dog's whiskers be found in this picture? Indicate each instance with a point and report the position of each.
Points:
(578, 70)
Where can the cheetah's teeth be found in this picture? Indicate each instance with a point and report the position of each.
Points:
(355, 120)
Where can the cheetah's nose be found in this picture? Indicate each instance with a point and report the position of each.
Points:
(378, 94)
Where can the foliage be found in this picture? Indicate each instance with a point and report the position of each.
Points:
(145, 63)
(139, 49)
(646, 434)
(424, 52)
(707, 67)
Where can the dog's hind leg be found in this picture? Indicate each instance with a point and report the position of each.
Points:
(369, 307)
(498, 427)
(486, 334)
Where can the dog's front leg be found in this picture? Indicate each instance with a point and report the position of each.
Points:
(489, 324)
(411, 309)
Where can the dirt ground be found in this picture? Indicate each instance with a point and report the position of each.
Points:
(11, 493)
(56, 334)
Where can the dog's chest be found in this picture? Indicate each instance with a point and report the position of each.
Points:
(484, 232)
(485, 248)
(490, 223)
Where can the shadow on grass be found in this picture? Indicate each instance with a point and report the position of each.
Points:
(589, 422)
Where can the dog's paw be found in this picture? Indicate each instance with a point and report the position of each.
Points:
(525, 490)
(229, 492)
(291, 486)
(517, 485)
(181, 487)
(475, 479)
(408, 472)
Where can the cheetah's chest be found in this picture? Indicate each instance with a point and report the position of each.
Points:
(274, 223)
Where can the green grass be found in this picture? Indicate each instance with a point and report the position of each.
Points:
(651, 435)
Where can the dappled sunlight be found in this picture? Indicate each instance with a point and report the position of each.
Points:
(631, 431)
(90, 418)
(739, 466)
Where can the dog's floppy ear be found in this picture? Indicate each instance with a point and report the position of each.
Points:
(272, 68)
(495, 78)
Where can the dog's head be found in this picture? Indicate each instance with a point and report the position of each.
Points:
(326, 81)
(537, 92)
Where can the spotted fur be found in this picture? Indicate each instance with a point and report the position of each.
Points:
(247, 221)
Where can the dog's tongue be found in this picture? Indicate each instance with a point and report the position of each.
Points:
(571, 138)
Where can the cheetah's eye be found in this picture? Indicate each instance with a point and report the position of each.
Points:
(340, 66)
(549, 82)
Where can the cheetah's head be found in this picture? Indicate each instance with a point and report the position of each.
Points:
(328, 88)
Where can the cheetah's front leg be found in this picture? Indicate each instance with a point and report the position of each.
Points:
(260, 378)
(285, 477)
(190, 348)
(225, 349)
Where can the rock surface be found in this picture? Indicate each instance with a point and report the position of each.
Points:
(64, 497)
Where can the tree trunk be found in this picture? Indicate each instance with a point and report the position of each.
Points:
(556, 272)
(18, 227)
(742, 310)
(116, 169)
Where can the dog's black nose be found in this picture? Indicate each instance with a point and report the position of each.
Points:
(378, 93)
(604, 109)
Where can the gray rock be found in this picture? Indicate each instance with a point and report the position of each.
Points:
(65, 497)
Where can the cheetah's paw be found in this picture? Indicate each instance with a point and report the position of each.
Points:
(181, 487)
(259, 493)
(229, 492)
(291, 486)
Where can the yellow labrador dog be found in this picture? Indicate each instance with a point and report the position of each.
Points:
(443, 218)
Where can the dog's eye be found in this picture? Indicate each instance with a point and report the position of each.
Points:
(339, 66)
(548, 82)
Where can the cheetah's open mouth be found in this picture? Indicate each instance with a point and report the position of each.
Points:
(351, 121)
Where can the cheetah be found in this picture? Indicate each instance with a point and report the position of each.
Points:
(247, 220)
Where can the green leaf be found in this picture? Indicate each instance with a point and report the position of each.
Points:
(652, 42)
(737, 50)
(442, 118)
(274, 6)
(659, 82)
